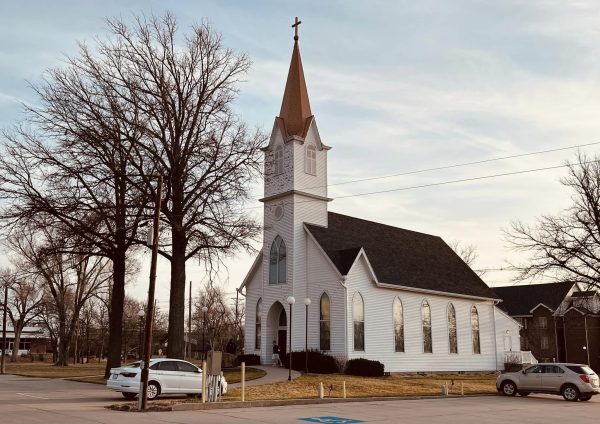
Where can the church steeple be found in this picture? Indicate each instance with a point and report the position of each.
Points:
(295, 107)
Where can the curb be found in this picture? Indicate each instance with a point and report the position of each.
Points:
(264, 403)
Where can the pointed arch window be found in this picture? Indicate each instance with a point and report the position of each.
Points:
(398, 325)
(325, 323)
(278, 262)
(310, 163)
(475, 330)
(452, 334)
(278, 160)
(426, 320)
(358, 316)
(257, 332)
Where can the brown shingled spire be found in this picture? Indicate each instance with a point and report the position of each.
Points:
(295, 107)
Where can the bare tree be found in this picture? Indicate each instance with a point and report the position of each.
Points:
(220, 325)
(468, 253)
(69, 281)
(566, 246)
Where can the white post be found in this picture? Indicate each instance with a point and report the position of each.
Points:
(462, 389)
(321, 395)
(243, 381)
(204, 394)
(344, 389)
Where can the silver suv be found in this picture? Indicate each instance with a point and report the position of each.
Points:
(572, 381)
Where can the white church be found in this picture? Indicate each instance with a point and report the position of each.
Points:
(373, 291)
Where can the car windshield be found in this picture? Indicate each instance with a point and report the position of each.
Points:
(134, 365)
(580, 369)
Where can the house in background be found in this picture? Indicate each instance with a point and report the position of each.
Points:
(560, 322)
(361, 289)
(34, 340)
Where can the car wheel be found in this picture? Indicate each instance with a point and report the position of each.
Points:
(153, 390)
(129, 396)
(570, 392)
(508, 388)
(585, 397)
(524, 393)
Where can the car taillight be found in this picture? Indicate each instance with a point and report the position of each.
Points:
(128, 374)
(584, 378)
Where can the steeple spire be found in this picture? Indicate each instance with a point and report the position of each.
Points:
(295, 107)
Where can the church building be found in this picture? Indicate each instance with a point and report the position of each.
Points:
(358, 289)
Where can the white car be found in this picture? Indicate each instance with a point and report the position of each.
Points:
(167, 376)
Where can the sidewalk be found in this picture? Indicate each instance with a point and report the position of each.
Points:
(274, 375)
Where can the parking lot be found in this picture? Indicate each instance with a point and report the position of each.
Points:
(30, 400)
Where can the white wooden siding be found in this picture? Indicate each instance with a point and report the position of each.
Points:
(379, 326)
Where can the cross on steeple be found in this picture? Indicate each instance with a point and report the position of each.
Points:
(295, 26)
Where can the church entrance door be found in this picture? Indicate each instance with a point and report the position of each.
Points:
(282, 333)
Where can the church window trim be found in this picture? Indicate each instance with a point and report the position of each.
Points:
(426, 327)
(398, 317)
(278, 261)
(452, 330)
(278, 160)
(358, 319)
(258, 324)
(310, 160)
(475, 333)
(325, 322)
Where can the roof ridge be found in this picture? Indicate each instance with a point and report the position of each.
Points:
(385, 225)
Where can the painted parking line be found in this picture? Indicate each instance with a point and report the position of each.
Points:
(33, 396)
(331, 420)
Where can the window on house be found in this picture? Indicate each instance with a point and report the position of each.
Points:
(475, 330)
(426, 321)
(310, 164)
(324, 323)
(257, 332)
(398, 325)
(358, 315)
(278, 262)
(278, 160)
(544, 342)
(452, 335)
(542, 322)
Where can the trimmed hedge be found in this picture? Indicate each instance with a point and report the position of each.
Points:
(249, 359)
(364, 367)
(318, 362)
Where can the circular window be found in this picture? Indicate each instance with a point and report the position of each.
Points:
(278, 213)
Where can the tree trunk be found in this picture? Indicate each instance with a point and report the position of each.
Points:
(63, 344)
(18, 327)
(176, 345)
(115, 314)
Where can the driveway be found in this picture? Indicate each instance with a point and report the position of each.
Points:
(30, 400)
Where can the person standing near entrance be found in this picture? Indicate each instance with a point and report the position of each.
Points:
(276, 359)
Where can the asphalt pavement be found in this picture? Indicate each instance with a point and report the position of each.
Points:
(51, 401)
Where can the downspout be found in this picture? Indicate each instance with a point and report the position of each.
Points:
(587, 345)
(346, 338)
(495, 335)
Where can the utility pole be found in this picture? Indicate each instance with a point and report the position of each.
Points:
(5, 307)
(190, 323)
(151, 301)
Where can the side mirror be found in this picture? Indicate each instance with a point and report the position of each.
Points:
(198, 370)
(523, 372)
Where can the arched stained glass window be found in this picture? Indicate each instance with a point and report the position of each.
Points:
(278, 262)
(398, 325)
(358, 315)
(426, 320)
(475, 330)
(452, 335)
(325, 323)
(257, 332)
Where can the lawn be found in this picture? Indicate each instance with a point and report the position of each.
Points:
(305, 386)
(94, 371)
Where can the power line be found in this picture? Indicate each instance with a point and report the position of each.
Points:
(458, 165)
(441, 183)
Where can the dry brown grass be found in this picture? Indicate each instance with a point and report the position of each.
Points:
(49, 370)
(305, 387)
(235, 375)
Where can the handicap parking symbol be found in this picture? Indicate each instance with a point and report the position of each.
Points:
(331, 420)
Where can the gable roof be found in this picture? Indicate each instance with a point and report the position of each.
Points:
(399, 257)
(522, 299)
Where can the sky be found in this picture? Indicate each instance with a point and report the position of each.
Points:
(395, 86)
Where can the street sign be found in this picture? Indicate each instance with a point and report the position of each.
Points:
(331, 420)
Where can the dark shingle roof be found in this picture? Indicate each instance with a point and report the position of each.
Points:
(400, 257)
(520, 300)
